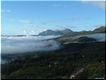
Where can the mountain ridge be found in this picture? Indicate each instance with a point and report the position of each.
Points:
(56, 32)
(101, 29)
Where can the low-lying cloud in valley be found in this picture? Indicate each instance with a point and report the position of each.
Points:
(12, 45)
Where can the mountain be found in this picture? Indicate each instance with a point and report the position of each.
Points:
(85, 39)
(65, 31)
(49, 32)
(57, 32)
(82, 56)
(97, 34)
(101, 29)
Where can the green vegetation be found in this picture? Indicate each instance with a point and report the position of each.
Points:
(86, 39)
(101, 29)
(60, 64)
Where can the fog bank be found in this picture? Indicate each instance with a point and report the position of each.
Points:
(12, 45)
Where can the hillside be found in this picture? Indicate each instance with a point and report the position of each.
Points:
(101, 29)
(81, 56)
(97, 34)
(75, 60)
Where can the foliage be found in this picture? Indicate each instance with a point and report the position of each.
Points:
(59, 64)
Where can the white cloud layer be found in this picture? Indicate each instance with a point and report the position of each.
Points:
(25, 22)
(12, 45)
(98, 3)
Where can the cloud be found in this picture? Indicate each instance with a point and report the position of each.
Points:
(59, 5)
(5, 10)
(26, 22)
(30, 27)
(101, 4)
(12, 45)
(79, 18)
(56, 5)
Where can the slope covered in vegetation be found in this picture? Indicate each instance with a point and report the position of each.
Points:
(75, 60)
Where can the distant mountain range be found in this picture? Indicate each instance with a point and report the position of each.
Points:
(67, 31)
(57, 32)
(97, 34)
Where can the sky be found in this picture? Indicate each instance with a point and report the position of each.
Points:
(33, 17)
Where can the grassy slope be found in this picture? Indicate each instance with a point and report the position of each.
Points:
(60, 64)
